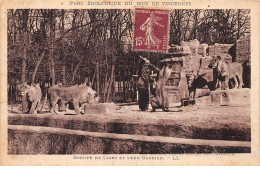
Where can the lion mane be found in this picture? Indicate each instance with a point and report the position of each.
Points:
(34, 94)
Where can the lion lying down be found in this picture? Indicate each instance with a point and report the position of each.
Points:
(75, 94)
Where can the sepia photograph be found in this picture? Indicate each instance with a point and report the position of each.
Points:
(141, 81)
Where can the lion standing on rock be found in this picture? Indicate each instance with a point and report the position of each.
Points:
(75, 94)
(223, 71)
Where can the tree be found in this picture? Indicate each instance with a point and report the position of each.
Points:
(71, 45)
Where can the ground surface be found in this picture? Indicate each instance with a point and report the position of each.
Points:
(202, 117)
(196, 129)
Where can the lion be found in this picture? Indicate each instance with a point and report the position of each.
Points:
(191, 77)
(199, 81)
(76, 94)
(223, 71)
(34, 94)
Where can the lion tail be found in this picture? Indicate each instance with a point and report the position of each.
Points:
(44, 101)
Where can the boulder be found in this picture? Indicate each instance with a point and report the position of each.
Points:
(176, 50)
(231, 97)
(100, 108)
(205, 61)
(219, 49)
(202, 92)
(192, 44)
(202, 49)
(192, 63)
(243, 52)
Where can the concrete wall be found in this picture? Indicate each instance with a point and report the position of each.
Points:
(169, 128)
(45, 140)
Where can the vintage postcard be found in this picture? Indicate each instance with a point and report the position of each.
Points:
(129, 82)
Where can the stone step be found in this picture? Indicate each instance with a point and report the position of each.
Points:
(48, 140)
(100, 108)
(231, 97)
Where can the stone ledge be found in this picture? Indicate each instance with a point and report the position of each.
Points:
(47, 140)
(101, 108)
(231, 97)
(159, 127)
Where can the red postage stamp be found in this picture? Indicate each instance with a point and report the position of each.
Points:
(151, 29)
